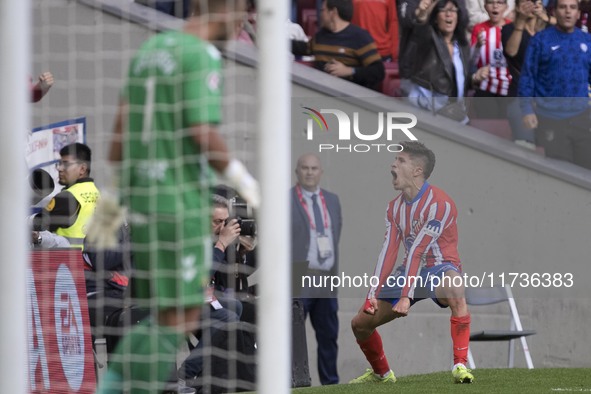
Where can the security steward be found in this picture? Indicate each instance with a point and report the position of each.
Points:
(70, 210)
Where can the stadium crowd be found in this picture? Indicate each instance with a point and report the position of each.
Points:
(462, 59)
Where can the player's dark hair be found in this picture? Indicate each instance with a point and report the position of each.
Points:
(344, 8)
(418, 150)
(79, 151)
(462, 24)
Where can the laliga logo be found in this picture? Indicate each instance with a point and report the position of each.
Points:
(391, 120)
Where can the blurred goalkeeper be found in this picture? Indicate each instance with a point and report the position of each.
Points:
(423, 219)
(165, 134)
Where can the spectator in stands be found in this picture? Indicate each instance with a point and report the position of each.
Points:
(515, 38)
(106, 273)
(248, 30)
(380, 19)
(345, 50)
(478, 12)
(248, 33)
(441, 72)
(40, 89)
(488, 50)
(556, 77)
(407, 21)
(69, 211)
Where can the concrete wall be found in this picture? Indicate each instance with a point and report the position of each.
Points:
(518, 212)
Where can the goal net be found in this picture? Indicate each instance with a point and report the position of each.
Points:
(137, 303)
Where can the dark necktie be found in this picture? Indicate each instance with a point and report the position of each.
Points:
(319, 223)
(317, 215)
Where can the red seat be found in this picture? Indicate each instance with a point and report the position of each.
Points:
(390, 86)
(309, 21)
(304, 5)
(309, 63)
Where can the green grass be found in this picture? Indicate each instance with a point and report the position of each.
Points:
(543, 380)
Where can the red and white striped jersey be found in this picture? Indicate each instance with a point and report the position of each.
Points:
(427, 226)
(492, 53)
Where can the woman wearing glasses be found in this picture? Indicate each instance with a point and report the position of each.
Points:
(441, 69)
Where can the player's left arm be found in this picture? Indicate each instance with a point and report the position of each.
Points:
(202, 113)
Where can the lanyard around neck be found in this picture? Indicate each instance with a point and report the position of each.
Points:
(305, 206)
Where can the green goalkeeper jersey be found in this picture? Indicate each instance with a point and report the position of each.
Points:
(174, 82)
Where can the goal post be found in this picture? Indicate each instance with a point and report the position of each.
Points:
(15, 33)
(274, 331)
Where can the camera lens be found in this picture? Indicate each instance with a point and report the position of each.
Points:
(248, 227)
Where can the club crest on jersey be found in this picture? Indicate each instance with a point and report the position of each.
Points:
(213, 81)
(433, 228)
(584, 47)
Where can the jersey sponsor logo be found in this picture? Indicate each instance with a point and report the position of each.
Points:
(155, 170)
(51, 205)
(189, 268)
(433, 228)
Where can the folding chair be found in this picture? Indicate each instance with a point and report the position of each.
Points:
(495, 295)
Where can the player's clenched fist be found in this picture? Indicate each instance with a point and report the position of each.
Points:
(46, 80)
(371, 306)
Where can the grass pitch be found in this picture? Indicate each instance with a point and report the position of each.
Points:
(542, 380)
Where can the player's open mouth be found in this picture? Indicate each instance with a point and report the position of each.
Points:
(394, 176)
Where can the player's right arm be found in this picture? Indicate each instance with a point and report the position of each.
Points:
(386, 260)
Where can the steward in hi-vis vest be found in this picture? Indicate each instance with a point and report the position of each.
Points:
(68, 212)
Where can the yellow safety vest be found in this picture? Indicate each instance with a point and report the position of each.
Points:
(87, 195)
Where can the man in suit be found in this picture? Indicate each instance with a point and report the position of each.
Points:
(316, 230)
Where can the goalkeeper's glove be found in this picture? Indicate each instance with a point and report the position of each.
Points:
(108, 217)
(105, 222)
(244, 183)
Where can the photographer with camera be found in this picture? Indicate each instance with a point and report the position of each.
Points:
(233, 278)
(223, 327)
